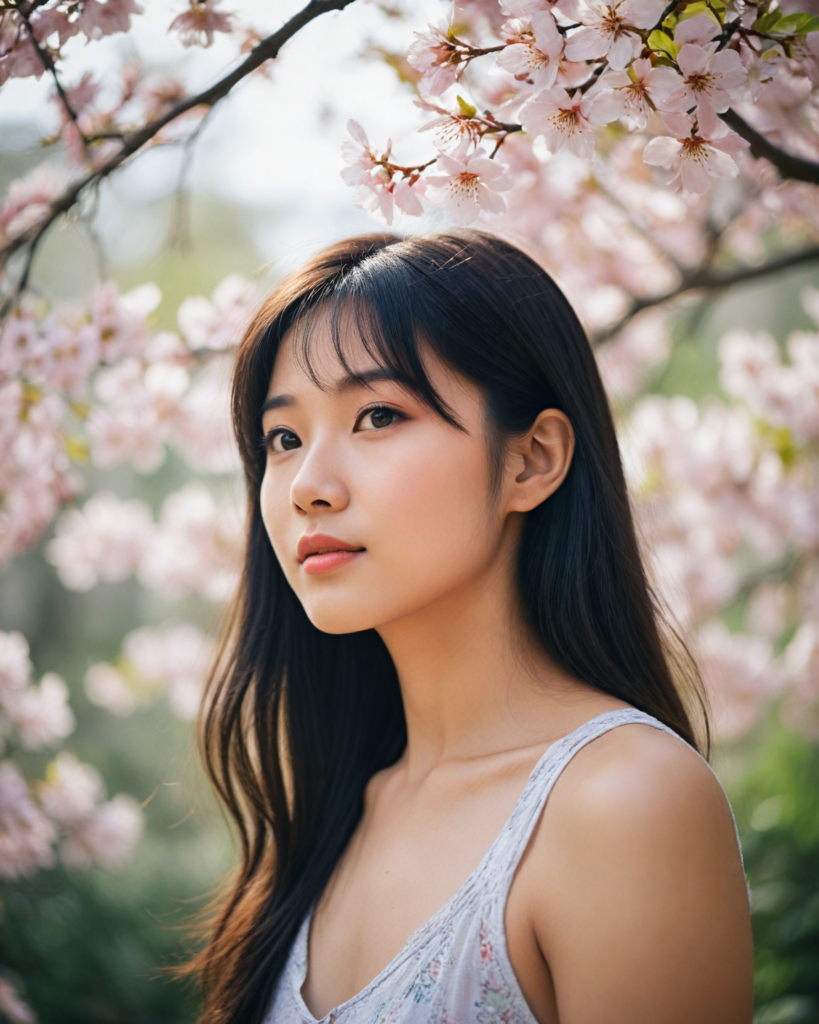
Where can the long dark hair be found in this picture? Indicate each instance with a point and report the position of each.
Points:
(297, 721)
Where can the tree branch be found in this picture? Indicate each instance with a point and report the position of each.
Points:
(709, 280)
(48, 63)
(132, 143)
(789, 166)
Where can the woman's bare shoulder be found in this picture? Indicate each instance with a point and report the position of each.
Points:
(644, 792)
(635, 884)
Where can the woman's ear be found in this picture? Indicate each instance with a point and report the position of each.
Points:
(541, 460)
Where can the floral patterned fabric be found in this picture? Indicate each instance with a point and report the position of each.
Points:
(455, 969)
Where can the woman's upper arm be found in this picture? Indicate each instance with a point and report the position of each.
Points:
(637, 892)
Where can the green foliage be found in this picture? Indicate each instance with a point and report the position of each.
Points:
(91, 951)
(779, 802)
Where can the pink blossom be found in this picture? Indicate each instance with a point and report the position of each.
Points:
(106, 836)
(29, 200)
(376, 187)
(695, 154)
(626, 94)
(437, 57)
(196, 548)
(203, 431)
(133, 424)
(71, 790)
(219, 324)
(13, 1007)
(197, 25)
(449, 128)
(26, 835)
(535, 56)
(562, 120)
(104, 541)
(68, 353)
(52, 20)
(470, 183)
(98, 19)
(608, 29)
(712, 79)
(121, 320)
(41, 713)
(740, 677)
(109, 688)
(525, 8)
(173, 660)
(15, 664)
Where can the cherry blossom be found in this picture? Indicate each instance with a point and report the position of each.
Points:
(41, 713)
(470, 183)
(196, 547)
(712, 78)
(97, 19)
(218, 324)
(94, 830)
(608, 29)
(738, 673)
(173, 660)
(537, 55)
(437, 57)
(197, 25)
(376, 188)
(562, 120)
(629, 94)
(695, 154)
(13, 1007)
(104, 541)
(106, 836)
(26, 835)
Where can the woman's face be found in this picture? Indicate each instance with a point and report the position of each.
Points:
(375, 506)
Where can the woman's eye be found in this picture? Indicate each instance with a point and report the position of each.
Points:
(283, 440)
(376, 419)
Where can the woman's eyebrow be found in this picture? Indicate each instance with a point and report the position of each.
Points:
(346, 383)
(277, 402)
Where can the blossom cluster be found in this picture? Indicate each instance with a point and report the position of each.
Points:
(728, 501)
(67, 809)
(95, 382)
(581, 75)
(194, 547)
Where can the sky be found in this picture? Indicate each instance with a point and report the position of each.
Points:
(274, 144)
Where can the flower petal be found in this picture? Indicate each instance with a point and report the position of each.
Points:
(661, 151)
(358, 133)
(587, 44)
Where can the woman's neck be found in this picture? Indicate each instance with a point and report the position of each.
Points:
(474, 677)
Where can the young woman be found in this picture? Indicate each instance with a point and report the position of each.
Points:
(463, 764)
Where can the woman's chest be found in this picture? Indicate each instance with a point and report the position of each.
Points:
(406, 861)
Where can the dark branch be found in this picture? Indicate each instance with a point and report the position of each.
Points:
(709, 280)
(266, 50)
(48, 63)
(789, 166)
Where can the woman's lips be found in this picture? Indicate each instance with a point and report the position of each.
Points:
(316, 564)
(320, 553)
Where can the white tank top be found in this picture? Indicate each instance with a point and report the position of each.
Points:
(455, 968)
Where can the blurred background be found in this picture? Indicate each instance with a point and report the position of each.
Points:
(259, 192)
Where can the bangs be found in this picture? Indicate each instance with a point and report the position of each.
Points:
(361, 315)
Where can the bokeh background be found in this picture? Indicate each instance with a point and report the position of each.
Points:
(258, 192)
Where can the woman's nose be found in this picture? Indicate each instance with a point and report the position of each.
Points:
(317, 486)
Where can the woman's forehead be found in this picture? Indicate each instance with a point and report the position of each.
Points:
(321, 353)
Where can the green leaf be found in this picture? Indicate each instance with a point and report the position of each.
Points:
(793, 24)
(466, 108)
(767, 21)
(659, 40)
(714, 9)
